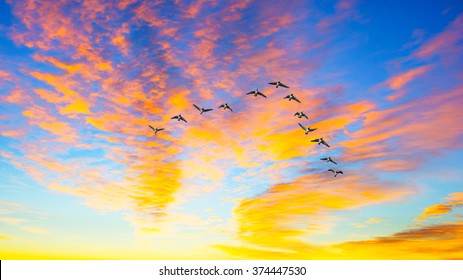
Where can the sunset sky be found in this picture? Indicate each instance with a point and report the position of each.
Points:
(82, 176)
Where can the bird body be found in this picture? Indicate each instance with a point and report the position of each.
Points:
(225, 106)
(278, 84)
(256, 93)
(178, 118)
(292, 97)
(336, 172)
(301, 115)
(320, 141)
(307, 129)
(328, 159)
(156, 130)
(202, 110)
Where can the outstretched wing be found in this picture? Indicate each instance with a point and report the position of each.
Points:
(174, 118)
(340, 172)
(230, 108)
(303, 127)
(326, 144)
(295, 98)
(251, 92)
(282, 85)
(222, 106)
(159, 129)
(332, 170)
(324, 158)
(199, 109)
(305, 116)
(297, 114)
(261, 94)
(207, 110)
(287, 97)
(315, 140)
(152, 128)
(272, 83)
(312, 129)
(333, 162)
(183, 119)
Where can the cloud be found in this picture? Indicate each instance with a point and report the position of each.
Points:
(5, 237)
(400, 80)
(437, 210)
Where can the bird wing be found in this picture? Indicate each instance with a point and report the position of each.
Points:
(297, 114)
(303, 127)
(251, 92)
(222, 106)
(312, 129)
(272, 83)
(199, 109)
(324, 158)
(332, 170)
(261, 94)
(326, 144)
(339, 171)
(230, 108)
(183, 119)
(287, 97)
(207, 110)
(295, 98)
(333, 161)
(174, 117)
(282, 85)
(315, 140)
(151, 127)
(159, 129)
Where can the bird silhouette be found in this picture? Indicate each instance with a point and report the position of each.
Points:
(292, 97)
(307, 129)
(301, 115)
(202, 110)
(225, 106)
(256, 93)
(320, 141)
(278, 84)
(336, 172)
(328, 159)
(156, 130)
(178, 118)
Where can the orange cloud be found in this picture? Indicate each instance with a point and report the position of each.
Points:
(400, 80)
(437, 210)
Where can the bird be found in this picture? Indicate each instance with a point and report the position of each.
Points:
(336, 172)
(178, 118)
(292, 97)
(307, 129)
(225, 106)
(320, 141)
(301, 115)
(328, 159)
(278, 84)
(202, 110)
(156, 129)
(256, 93)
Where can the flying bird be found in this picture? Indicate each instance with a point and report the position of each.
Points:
(328, 159)
(202, 110)
(256, 93)
(336, 172)
(320, 141)
(292, 97)
(278, 84)
(307, 129)
(156, 129)
(225, 106)
(178, 118)
(301, 115)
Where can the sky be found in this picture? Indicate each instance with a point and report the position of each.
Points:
(82, 176)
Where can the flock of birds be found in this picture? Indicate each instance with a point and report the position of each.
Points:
(257, 93)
